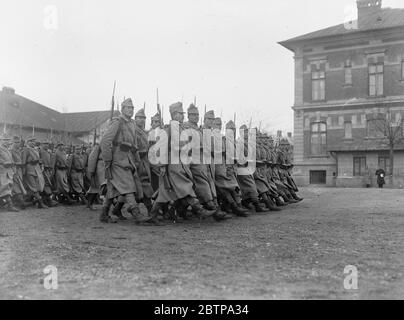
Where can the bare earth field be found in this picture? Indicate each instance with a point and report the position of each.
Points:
(299, 253)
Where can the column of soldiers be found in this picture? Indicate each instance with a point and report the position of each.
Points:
(119, 171)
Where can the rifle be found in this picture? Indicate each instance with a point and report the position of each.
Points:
(159, 110)
(113, 102)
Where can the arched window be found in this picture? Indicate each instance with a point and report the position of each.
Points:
(318, 139)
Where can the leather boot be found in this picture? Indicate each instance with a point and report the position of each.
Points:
(269, 203)
(202, 213)
(90, 201)
(10, 206)
(68, 199)
(279, 202)
(83, 199)
(239, 211)
(258, 208)
(104, 217)
(42, 205)
(117, 211)
(19, 201)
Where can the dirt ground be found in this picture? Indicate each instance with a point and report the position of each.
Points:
(299, 253)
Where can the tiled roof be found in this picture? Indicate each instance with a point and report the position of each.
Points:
(17, 110)
(86, 121)
(387, 18)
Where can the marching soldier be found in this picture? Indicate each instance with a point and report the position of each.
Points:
(144, 164)
(120, 155)
(19, 191)
(156, 121)
(176, 181)
(156, 124)
(96, 174)
(245, 177)
(225, 177)
(61, 178)
(76, 169)
(200, 175)
(34, 179)
(261, 182)
(6, 174)
(47, 165)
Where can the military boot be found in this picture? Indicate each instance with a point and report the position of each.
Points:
(239, 211)
(104, 217)
(49, 201)
(42, 205)
(83, 199)
(269, 203)
(279, 202)
(90, 202)
(201, 212)
(19, 201)
(258, 208)
(10, 206)
(117, 211)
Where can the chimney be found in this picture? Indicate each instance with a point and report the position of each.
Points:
(8, 90)
(368, 10)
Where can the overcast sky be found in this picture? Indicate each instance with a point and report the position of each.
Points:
(225, 52)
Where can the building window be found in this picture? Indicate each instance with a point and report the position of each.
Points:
(402, 70)
(348, 130)
(348, 73)
(359, 166)
(318, 85)
(384, 163)
(376, 127)
(376, 79)
(318, 139)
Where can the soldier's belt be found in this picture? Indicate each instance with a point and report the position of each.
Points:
(61, 168)
(33, 163)
(7, 165)
(78, 170)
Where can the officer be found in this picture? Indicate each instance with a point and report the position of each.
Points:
(120, 154)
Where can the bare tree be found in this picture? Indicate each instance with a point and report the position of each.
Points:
(391, 129)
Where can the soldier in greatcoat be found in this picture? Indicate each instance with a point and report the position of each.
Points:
(47, 171)
(96, 175)
(76, 171)
(225, 174)
(6, 174)
(19, 191)
(61, 178)
(33, 176)
(120, 154)
(176, 182)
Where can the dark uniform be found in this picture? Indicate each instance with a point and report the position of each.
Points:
(76, 171)
(61, 178)
(47, 165)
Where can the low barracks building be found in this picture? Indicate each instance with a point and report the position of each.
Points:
(347, 78)
(20, 116)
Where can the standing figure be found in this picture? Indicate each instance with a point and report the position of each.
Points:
(76, 169)
(6, 174)
(120, 155)
(47, 165)
(33, 175)
(144, 164)
(380, 173)
(19, 191)
(176, 181)
(96, 174)
(60, 169)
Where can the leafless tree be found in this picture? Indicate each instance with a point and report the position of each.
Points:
(391, 129)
